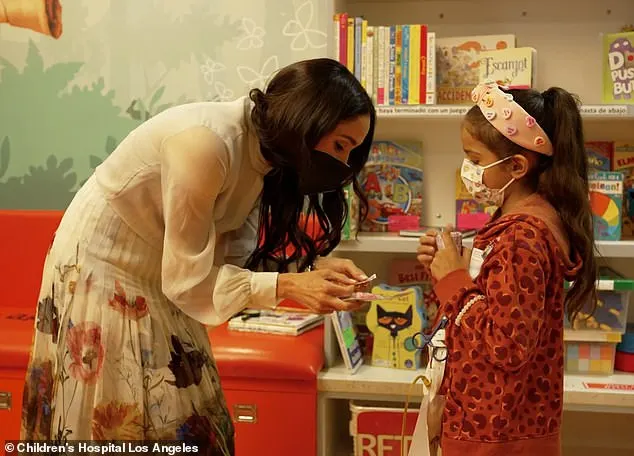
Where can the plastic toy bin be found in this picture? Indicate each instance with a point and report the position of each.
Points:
(590, 341)
(610, 315)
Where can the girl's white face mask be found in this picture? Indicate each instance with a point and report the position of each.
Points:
(472, 176)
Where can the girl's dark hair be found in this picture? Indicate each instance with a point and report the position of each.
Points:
(562, 179)
(304, 102)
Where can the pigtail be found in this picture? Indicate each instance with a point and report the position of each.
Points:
(564, 183)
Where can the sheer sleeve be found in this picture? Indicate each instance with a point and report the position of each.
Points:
(194, 166)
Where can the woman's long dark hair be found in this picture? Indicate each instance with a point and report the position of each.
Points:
(562, 179)
(304, 102)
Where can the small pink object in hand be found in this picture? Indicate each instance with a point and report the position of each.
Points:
(363, 296)
(457, 239)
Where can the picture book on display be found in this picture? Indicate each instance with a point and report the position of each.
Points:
(618, 68)
(348, 339)
(511, 67)
(275, 322)
(458, 64)
(394, 321)
(623, 162)
(392, 179)
(606, 200)
(600, 155)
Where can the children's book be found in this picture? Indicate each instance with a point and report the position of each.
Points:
(351, 223)
(393, 182)
(624, 162)
(394, 323)
(511, 67)
(275, 322)
(606, 199)
(470, 215)
(405, 272)
(618, 68)
(458, 64)
(348, 340)
(600, 154)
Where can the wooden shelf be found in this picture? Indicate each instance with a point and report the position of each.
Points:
(596, 393)
(448, 112)
(393, 243)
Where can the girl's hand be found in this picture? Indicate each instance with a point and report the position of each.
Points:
(342, 266)
(427, 248)
(320, 291)
(448, 259)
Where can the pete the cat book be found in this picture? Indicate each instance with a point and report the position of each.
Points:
(618, 68)
(394, 323)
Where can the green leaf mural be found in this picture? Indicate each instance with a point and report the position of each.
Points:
(44, 119)
(5, 156)
(43, 187)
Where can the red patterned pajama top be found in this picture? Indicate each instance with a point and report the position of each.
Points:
(504, 377)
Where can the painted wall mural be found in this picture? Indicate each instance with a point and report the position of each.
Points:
(76, 76)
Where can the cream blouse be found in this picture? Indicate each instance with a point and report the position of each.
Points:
(187, 181)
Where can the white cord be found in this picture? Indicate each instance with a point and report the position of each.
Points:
(467, 306)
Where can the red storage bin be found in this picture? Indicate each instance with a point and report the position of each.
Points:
(270, 383)
(16, 337)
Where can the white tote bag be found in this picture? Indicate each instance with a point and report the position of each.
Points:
(426, 436)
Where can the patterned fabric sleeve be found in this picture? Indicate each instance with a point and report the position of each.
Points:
(504, 325)
(194, 165)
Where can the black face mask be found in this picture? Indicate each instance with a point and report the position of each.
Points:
(324, 173)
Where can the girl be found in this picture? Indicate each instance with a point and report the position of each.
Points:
(149, 252)
(506, 303)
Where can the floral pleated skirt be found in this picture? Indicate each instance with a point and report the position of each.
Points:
(112, 357)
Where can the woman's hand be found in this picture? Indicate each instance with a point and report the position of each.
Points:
(321, 291)
(342, 266)
(448, 259)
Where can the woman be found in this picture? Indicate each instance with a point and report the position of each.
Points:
(142, 259)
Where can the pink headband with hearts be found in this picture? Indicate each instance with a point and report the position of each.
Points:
(510, 119)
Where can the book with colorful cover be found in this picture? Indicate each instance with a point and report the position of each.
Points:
(404, 272)
(392, 179)
(348, 339)
(405, 63)
(511, 67)
(624, 162)
(469, 213)
(351, 223)
(398, 65)
(600, 155)
(618, 68)
(394, 322)
(392, 65)
(606, 201)
(458, 64)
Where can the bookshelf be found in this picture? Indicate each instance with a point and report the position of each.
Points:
(567, 37)
(448, 112)
(393, 243)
